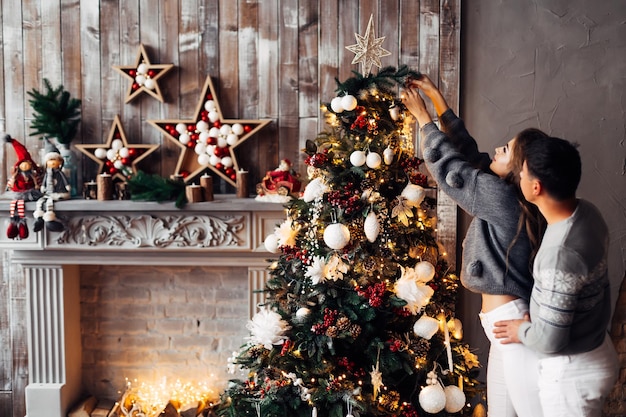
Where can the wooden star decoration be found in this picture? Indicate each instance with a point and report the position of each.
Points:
(117, 157)
(368, 49)
(208, 141)
(144, 76)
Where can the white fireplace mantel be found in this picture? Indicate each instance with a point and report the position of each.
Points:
(227, 231)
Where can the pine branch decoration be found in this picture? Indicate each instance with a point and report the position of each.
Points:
(146, 187)
(56, 113)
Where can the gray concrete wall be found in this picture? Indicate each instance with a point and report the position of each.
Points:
(559, 65)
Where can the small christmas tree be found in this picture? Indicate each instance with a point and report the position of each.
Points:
(56, 113)
(359, 318)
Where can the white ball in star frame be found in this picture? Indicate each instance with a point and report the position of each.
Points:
(227, 161)
(124, 152)
(184, 138)
(111, 154)
(204, 137)
(118, 164)
(222, 142)
(140, 79)
(210, 149)
(348, 102)
(181, 128)
(238, 129)
(357, 158)
(142, 68)
(213, 116)
(232, 139)
(214, 132)
(455, 398)
(202, 126)
(117, 144)
(100, 153)
(204, 159)
(335, 104)
(150, 84)
(226, 129)
(209, 105)
(373, 160)
(200, 148)
(214, 160)
(432, 398)
(271, 243)
(336, 236)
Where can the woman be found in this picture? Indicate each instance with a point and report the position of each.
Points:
(497, 249)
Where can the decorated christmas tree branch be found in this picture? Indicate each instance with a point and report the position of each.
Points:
(148, 187)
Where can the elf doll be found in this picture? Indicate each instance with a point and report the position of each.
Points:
(23, 185)
(54, 186)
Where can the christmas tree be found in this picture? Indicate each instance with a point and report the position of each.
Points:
(359, 318)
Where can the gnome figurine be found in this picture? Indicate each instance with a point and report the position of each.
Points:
(23, 185)
(54, 186)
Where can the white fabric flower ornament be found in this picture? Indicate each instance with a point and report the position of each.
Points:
(267, 328)
(413, 287)
(314, 189)
(321, 270)
(286, 233)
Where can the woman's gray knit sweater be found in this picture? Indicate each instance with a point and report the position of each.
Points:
(463, 173)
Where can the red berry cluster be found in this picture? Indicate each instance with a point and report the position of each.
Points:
(411, 167)
(402, 312)
(394, 344)
(317, 160)
(374, 293)
(409, 411)
(344, 362)
(286, 347)
(330, 318)
(348, 200)
(292, 252)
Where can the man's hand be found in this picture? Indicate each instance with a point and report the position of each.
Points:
(506, 330)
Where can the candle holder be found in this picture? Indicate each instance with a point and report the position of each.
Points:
(242, 184)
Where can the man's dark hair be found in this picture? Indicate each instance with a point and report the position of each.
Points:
(556, 163)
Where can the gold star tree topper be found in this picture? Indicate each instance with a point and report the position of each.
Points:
(208, 141)
(144, 76)
(117, 157)
(368, 49)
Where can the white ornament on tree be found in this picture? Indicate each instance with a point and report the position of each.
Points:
(357, 158)
(336, 236)
(414, 194)
(455, 399)
(432, 398)
(426, 327)
(371, 227)
(373, 160)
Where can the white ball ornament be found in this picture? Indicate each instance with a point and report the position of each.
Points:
(213, 116)
(124, 153)
(117, 144)
(142, 68)
(111, 154)
(227, 161)
(214, 132)
(222, 142)
(100, 153)
(181, 128)
(202, 126)
(336, 236)
(335, 104)
(150, 84)
(425, 271)
(426, 327)
(140, 79)
(432, 398)
(203, 137)
(200, 148)
(414, 194)
(388, 155)
(303, 312)
(455, 399)
(204, 159)
(348, 102)
(357, 158)
(209, 105)
(184, 138)
(214, 160)
(118, 164)
(373, 160)
(232, 139)
(271, 244)
(238, 129)
(225, 129)
(371, 227)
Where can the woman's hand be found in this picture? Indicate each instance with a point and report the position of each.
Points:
(432, 92)
(415, 104)
(506, 330)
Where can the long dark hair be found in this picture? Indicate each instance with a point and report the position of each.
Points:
(531, 220)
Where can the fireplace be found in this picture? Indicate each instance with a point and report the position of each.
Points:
(153, 285)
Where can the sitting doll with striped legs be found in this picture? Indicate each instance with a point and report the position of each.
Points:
(54, 186)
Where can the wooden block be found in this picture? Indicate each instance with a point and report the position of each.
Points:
(84, 408)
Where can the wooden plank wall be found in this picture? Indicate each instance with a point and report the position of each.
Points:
(274, 59)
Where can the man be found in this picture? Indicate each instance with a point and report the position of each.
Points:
(570, 304)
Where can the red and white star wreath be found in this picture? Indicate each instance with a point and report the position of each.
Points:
(208, 140)
(117, 157)
(144, 76)
(368, 49)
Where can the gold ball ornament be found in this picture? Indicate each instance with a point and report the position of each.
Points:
(336, 236)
